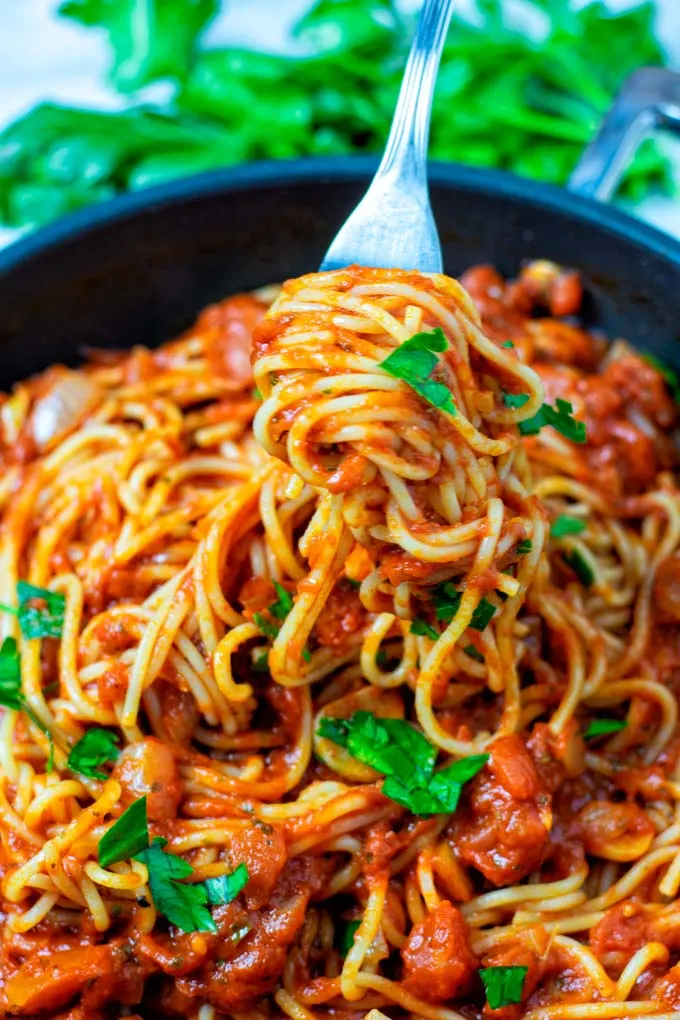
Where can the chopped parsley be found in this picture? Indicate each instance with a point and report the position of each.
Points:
(226, 888)
(279, 610)
(11, 694)
(93, 750)
(447, 598)
(423, 629)
(414, 361)
(40, 612)
(503, 985)
(668, 374)
(515, 400)
(473, 653)
(406, 758)
(524, 547)
(566, 525)
(507, 343)
(261, 661)
(345, 936)
(184, 905)
(128, 836)
(602, 727)
(578, 563)
(561, 417)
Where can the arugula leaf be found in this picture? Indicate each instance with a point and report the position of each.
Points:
(560, 417)
(424, 629)
(525, 546)
(415, 360)
(150, 39)
(406, 758)
(575, 559)
(447, 598)
(127, 837)
(600, 727)
(503, 985)
(183, 904)
(566, 525)
(226, 888)
(93, 749)
(344, 935)
(41, 612)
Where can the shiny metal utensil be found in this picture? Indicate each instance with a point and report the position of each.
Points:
(393, 227)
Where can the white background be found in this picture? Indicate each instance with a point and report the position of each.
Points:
(43, 57)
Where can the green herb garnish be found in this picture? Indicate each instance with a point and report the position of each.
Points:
(127, 837)
(447, 598)
(415, 361)
(566, 525)
(503, 985)
(601, 727)
(95, 748)
(524, 547)
(473, 653)
(406, 758)
(561, 418)
(283, 605)
(578, 563)
(40, 612)
(226, 888)
(345, 936)
(184, 905)
(515, 400)
(12, 696)
(668, 374)
(279, 610)
(423, 629)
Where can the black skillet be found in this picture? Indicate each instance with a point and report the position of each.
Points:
(137, 270)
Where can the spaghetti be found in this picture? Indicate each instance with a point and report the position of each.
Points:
(354, 693)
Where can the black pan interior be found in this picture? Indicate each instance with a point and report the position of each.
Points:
(138, 270)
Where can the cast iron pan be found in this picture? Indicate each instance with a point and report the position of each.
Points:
(137, 270)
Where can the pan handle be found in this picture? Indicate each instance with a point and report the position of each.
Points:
(649, 98)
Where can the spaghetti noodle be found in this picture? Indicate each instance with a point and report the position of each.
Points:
(354, 693)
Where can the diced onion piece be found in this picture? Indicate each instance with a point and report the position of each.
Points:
(63, 407)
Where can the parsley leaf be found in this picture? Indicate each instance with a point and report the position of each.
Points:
(566, 525)
(575, 559)
(524, 547)
(183, 905)
(415, 361)
(261, 661)
(507, 343)
(406, 758)
(503, 985)
(600, 727)
(345, 936)
(560, 417)
(424, 629)
(40, 612)
(283, 605)
(226, 888)
(127, 837)
(10, 675)
(515, 399)
(11, 695)
(447, 598)
(473, 653)
(668, 374)
(95, 748)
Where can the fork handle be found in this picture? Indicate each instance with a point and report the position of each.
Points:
(405, 154)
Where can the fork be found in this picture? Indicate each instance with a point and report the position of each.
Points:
(393, 227)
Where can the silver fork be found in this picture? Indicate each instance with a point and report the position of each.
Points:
(393, 227)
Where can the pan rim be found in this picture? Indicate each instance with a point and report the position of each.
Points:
(282, 173)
